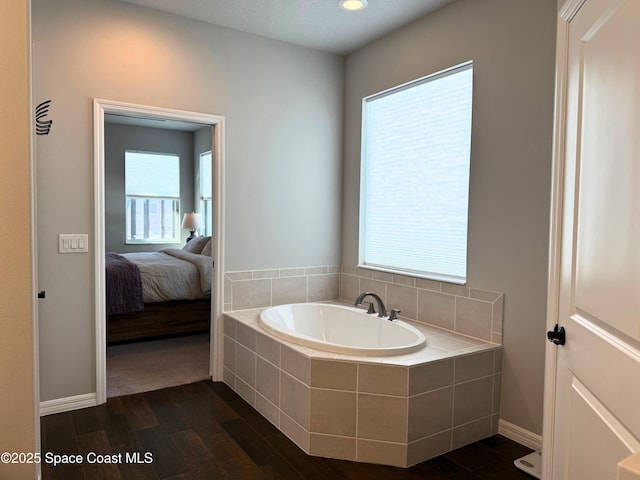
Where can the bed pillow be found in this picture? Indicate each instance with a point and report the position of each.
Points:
(207, 248)
(197, 244)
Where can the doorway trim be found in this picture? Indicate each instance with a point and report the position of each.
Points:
(565, 15)
(217, 122)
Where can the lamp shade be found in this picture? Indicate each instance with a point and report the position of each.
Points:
(192, 221)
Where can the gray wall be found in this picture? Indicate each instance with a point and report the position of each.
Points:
(286, 186)
(283, 110)
(117, 140)
(512, 44)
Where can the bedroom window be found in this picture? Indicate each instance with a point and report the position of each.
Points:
(152, 189)
(206, 192)
(414, 196)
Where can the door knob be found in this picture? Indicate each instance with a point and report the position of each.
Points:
(557, 335)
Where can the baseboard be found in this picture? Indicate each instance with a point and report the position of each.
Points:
(520, 435)
(59, 405)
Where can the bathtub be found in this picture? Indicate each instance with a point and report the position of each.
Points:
(341, 329)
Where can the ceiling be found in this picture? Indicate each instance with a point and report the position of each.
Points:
(317, 24)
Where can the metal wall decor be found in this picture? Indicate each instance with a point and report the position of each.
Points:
(43, 127)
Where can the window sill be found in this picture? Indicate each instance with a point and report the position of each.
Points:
(149, 242)
(408, 273)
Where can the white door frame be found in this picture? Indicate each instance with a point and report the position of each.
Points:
(100, 107)
(566, 13)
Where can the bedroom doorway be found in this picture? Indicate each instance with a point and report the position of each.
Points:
(175, 323)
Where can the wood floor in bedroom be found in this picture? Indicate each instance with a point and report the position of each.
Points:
(205, 431)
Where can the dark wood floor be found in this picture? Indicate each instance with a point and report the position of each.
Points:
(205, 431)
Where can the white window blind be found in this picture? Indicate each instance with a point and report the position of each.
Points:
(206, 192)
(152, 174)
(152, 189)
(415, 176)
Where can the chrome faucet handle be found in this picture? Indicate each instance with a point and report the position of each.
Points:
(370, 309)
(394, 313)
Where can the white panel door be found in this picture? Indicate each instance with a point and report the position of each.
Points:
(592, 416)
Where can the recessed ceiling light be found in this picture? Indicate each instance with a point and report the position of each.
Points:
(353, 5)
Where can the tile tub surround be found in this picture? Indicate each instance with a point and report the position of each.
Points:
(462, 309)
(266, 288)
(396, 411)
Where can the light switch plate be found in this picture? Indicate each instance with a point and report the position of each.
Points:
(73, 243)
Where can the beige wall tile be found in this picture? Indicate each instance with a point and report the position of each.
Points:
(294, 399)
(429, 447)
(334, 374)
(497, 315)
(348, 269)
(227, 290)
(383, 379)
(404, 298)
(260, 274)
(474, 318)
(473, 366)
(485, 295)
(342, 448)
(251, 294)
(383, 276)
(324, 287)
(376, 286)
(268, 380)
(245, 391)
(430, 376)
(333, 412)
(237, 276)
(229, 326)
(246, 365)
(349, 287)
(472, 400)
(246, 336)
(436, 308)
(292, 272)
(289, 290)
(386, 453)
(229, 354)
(459, 290)
(321, 270)
(229, 378)
(268, 410)
(268, 348)
(364, 272)
(497, 393)
(382, 418)
(497, 360)
(295, 363)
(428, 284)
(430, 413)
(295, 432)
(404, 280)
(471, 432)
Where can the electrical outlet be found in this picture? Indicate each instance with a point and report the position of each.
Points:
(73, 243)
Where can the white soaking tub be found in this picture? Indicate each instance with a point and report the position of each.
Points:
(341, 329)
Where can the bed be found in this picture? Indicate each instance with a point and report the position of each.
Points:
(158, 294)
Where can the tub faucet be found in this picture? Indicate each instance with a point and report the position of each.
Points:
(382, 311)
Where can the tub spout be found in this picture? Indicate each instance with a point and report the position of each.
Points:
(382, 311)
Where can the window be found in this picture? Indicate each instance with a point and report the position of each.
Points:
(152, 189)
(206, 194)
(416, 147)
